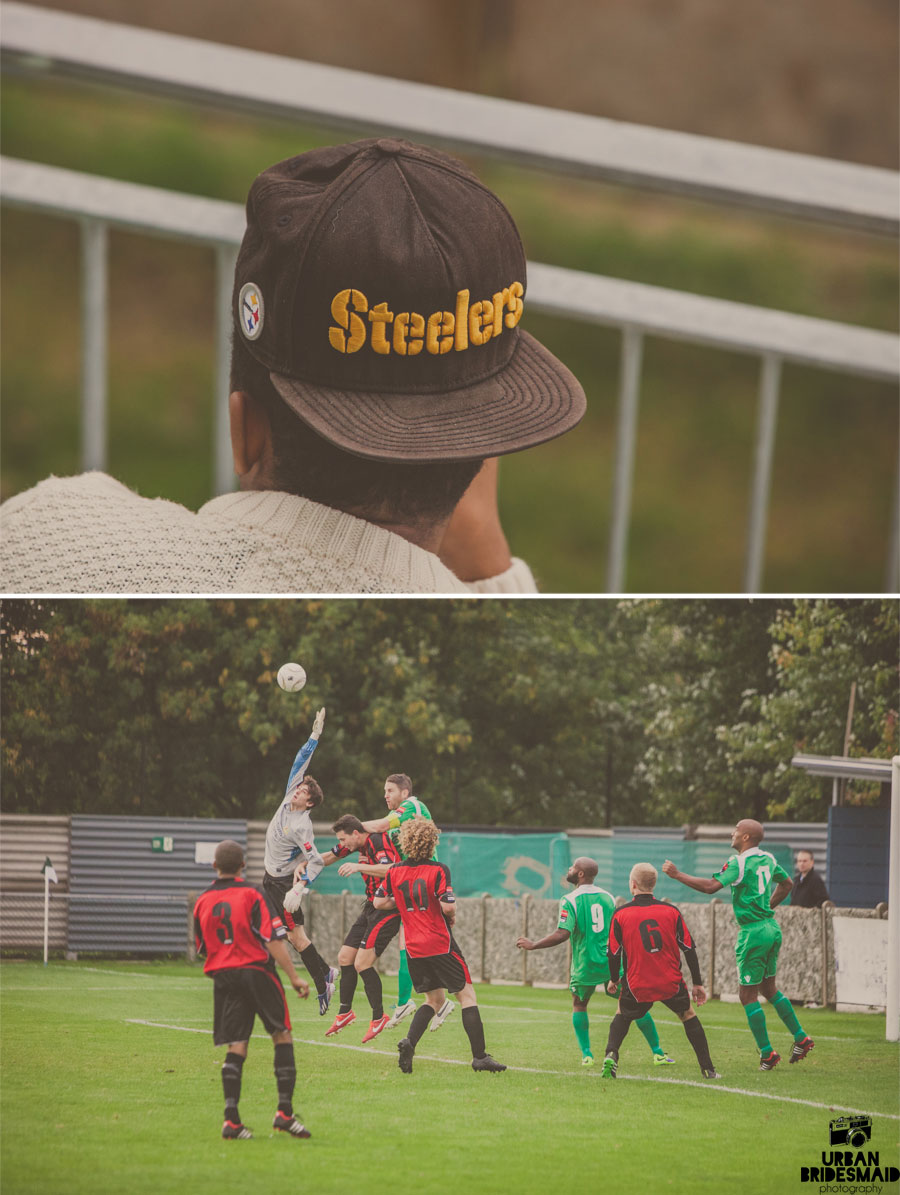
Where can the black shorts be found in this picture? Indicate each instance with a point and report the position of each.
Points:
(276, 889)
(373, 929)
(242, 993)
(634, 1009)
(439, 971)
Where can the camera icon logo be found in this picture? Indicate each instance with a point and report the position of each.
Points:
(851, 1130)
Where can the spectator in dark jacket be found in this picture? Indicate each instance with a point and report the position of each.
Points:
(809, 891)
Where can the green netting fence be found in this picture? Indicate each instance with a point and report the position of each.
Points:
(516, 864)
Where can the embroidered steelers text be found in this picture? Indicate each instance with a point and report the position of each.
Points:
(408, 333)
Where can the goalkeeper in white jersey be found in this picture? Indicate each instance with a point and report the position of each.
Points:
(292, 861)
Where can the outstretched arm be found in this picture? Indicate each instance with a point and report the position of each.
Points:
(554, 939)
(378, 825)
(698, 883)
(305, 754)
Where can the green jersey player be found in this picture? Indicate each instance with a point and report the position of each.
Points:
(758, 884)
(402, 807)
(584, 917)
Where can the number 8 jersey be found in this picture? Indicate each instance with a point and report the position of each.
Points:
(585, 914)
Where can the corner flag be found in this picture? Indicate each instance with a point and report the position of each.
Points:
(48, 871)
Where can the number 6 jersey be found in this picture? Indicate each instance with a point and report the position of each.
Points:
(646, 937)
(585, 913)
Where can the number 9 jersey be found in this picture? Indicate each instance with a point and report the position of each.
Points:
(585, 914)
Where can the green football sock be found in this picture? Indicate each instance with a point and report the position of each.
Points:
(404, 983)
(757, 1020)
(582, 1031)
(785, 1010)
(648, 1028)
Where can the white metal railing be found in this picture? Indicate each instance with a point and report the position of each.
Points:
(591, 146)
(845, 194)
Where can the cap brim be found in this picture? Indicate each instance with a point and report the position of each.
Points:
(532, 399)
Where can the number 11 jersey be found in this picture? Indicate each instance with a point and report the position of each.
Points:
(586, 913)
(751, 876)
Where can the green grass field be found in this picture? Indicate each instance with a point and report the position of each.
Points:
(111, 1084)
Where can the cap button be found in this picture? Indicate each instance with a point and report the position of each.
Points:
(387, 145)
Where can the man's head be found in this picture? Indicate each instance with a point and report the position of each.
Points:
(805, 861)
(397, 788)
(379, 289)
(418, 839)
(350, 832)
(642, 879)
(229, 858)
(306, 795)
(582, 871)
(746, 834)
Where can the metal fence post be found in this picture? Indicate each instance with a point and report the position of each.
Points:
(712, 947)
(770, 382)
(626, 433)
(94, 253)
(485, 897)
(191, 947)
(892, 572)
(526, 899)
(226, 256)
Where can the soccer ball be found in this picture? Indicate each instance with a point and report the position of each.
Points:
(291, 677)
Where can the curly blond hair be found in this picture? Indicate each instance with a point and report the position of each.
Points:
(419, 839)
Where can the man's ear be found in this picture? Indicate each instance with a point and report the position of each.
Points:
(251, 436)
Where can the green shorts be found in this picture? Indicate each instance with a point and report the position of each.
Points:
(756, 951)
(583, 989)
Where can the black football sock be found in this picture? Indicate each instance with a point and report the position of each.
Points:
(424, 1013)
(231, 1085)
(471, 1019)
(372, 981)
(349, 975)
(285, 1076)
(316, 966)
(617, 1030)
(696, 1035)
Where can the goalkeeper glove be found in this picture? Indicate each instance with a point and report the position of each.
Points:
(292, 899)
(318, 725)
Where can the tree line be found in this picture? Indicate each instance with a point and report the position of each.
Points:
(546, 713)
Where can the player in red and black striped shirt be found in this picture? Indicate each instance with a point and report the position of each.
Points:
(420, 891)
(372, 930)
(235, 929)
(646, 940)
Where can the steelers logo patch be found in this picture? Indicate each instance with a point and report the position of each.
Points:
(250, 310)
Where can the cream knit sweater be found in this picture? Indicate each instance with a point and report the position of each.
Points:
(91, 534)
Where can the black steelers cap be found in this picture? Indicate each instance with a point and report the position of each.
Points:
(383, 285)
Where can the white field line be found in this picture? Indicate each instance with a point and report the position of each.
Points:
(536, 1070)
(8, 989)
(190, 979)
(602, 1016)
